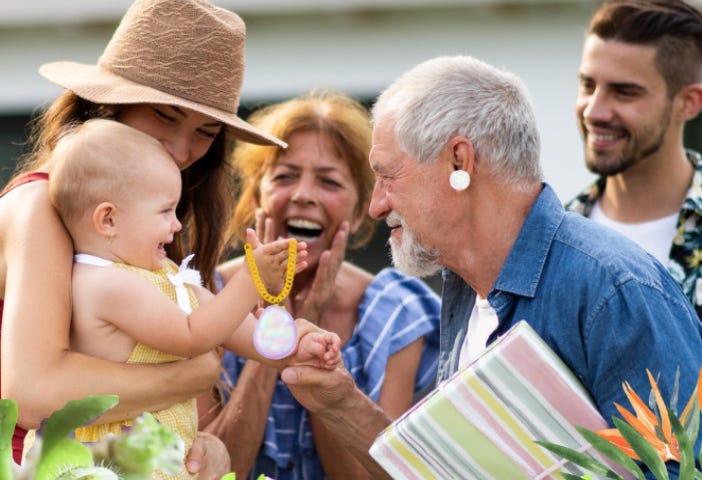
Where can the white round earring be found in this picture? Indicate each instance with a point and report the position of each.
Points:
(459, 180)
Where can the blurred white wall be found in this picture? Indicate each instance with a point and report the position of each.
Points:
(357, 46)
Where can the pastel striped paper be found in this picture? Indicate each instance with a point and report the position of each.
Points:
(481, 423)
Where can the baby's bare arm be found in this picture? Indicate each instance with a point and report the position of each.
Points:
(142, 312)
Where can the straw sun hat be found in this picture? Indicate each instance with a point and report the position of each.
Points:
(187, 53)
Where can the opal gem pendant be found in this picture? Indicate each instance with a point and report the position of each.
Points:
(275, 336)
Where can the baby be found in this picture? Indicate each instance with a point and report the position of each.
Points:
(116, 190)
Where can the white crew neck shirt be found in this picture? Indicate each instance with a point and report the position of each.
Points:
(483, 321)
(655, 236)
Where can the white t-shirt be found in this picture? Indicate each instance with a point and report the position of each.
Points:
(483, 321)
(656, 236)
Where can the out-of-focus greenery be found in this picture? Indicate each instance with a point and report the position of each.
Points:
(133, 455)
(652, 435)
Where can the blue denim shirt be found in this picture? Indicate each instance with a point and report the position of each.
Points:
(603, 304)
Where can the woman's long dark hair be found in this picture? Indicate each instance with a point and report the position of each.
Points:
(206, 203)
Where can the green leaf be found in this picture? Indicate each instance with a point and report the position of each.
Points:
(89, 473)
(65, 454)
(692, 425)
(570, 476)
(611, 451)
(229, 476)
(8, 420)
(675, 393)
(643, 449)
(581, 459)
(74, 414)
(687, 454)
(58, 452)
(148, 446)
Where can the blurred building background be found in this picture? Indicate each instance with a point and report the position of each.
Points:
(358, 46)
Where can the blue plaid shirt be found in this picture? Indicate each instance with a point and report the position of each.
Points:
(396, 310)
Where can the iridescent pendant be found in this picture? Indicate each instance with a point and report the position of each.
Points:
(275, 336)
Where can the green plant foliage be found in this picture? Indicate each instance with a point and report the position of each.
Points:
(654, 436)
(642, 448)
(611, 452)
(8, 420)
(55, 455)
(147, 447)
(687, 454)
(59, 452)
(133, 455)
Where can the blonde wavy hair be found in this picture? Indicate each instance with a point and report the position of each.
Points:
(342, 119)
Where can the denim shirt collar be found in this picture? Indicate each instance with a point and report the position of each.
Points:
(519, 276)
(522, 269)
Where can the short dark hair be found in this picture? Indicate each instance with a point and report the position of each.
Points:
(673, 27)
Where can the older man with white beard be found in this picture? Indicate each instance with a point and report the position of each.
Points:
(459, 183)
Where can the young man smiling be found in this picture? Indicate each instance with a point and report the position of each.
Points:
(639, 83)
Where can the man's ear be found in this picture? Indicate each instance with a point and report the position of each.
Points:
(461, 154)
(691, 98)
(104, 219)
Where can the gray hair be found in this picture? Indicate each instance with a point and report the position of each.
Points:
(461, 95)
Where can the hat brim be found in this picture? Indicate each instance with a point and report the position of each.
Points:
(100, 85)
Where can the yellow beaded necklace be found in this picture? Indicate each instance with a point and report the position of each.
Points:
(289, 273)
(275, 335)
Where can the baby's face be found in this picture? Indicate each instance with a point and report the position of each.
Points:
(146, 221)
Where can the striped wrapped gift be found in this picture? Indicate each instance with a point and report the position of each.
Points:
(482, 422)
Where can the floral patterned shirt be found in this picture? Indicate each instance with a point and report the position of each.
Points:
(685, 258)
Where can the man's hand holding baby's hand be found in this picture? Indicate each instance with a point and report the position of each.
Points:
(316, 347)
(328, 346)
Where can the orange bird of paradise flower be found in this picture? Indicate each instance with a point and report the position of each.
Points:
(657, 431)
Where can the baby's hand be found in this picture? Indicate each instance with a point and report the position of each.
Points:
(323, 348)
(316, 347)
(272, 260)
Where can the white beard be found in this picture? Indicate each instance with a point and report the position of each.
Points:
(408, 255)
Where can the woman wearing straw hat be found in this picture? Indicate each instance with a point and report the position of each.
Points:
(173, 69)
